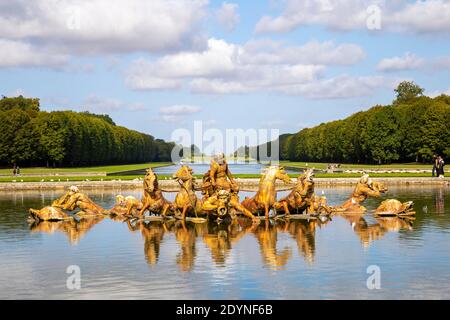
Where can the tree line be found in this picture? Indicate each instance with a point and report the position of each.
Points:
(31, 137)
(412, 129)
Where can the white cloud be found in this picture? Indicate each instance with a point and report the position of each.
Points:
(97, 26)
(225, 68)
(313, 52)
(179, 110)
(409, 61)
(344, 15)
(343, 86)
(176, 113)
(95, 103)
(16, 53)
(437, 93)
(227, 16)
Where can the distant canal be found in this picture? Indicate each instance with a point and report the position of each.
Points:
(201, 168)
(296, 260)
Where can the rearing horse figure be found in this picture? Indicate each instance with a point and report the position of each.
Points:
(186, 199)
(266, 196)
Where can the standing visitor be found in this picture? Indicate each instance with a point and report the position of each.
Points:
(18, 171)
(440, 167)
(435, 162)
(14, 171)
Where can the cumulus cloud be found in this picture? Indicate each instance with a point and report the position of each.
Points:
(95, 103)
(314, 52)
(227, 16)
(227, 68)
(339, 87)
(407, 62)
(16, 53)
(344, 15)
(98, 26)
(176, 113)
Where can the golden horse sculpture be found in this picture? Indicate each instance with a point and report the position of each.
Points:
(49, 214)
(153, 199)
(301, 197)
(125, 206)
(364, 189)
(393, 207)
(73, 199)
(186, 200)
(266, 195)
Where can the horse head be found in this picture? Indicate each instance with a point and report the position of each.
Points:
(184, 174)
(280, 174)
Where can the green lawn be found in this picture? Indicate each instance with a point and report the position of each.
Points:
(106, 169)
(316, 165)
(164, 177)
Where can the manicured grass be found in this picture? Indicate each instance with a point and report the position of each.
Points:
(106, 169)
(165, 177)
(410, 166)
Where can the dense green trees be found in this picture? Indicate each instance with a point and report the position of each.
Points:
(406, 91)
(408, 131)
(66, 138)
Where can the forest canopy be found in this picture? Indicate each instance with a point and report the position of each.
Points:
(412, 129)
(29, 136)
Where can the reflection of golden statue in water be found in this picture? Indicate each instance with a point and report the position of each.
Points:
(153, 234)
(267, 239)
(376, 231)
(266, 195)
(74, 230)
(221, 237)
(304, 232)
(186, 234)
(364, 189)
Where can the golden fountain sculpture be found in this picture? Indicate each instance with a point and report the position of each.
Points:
(220, 200)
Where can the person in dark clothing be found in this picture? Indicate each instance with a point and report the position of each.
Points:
(18, 171)
(14, 171)
(435, 163)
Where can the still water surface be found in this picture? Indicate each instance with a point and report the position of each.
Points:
(297, 260)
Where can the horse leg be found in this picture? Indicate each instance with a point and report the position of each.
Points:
(266, 210)
(129, 208)
(183, 213)
(145, 207)
(286, 208)
(165, 208)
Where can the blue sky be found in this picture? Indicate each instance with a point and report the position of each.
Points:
(156, 66)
